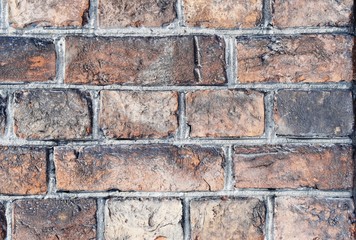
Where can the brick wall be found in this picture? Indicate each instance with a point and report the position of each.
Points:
(187, 119)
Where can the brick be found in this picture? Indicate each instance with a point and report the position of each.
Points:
(141, 13)
(225, 113)
(139, 168)
(23, 170)
(294, 59)
(317, 218)
(242, 218)
(314, 113)
(320, 167)
(52, 114)
(311, 13)
(227, 14)
(145, 61)
(3, 224)
(54, 219)
(138, 114)
(143, 219)
(48, 13)
(27, 59)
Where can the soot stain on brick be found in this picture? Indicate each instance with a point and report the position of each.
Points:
(3, 223)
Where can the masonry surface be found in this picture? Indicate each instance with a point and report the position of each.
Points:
(177, 119)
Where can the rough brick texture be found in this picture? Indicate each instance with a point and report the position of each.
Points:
(304, 13)
(145, 61)
(3, 224)
(315, 218)
(142, 13)
(228, 219)
(225, 113)
(138, 114)
(310, 58)
(139, 168)
(320, 167)
(143, 219)
(48, 13)
(314, 113)
(52, 114)
(27, 60)
(54, 219)
(23, 170)
(231, 14)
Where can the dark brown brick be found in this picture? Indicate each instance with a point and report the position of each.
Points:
(225, 113)
(22, 171)
(139, 168)
(228, 219)
(54, 219)
(320, 167)
(309, 58)
(143, 219)
(139, 13)
(145, 61)
(48, 13)
(226, 14)
(316, 13)
(315, 218)
(314, 113)
(128, 114)
(52, 114)
(27, 60)
(3, 223)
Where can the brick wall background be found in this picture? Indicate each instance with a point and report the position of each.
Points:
(187, 119)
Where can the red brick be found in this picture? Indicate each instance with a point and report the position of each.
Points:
(316, 13)
(54, 219)
(143, 219)
(3, 224)
(52, 114)
(139, 168)
(226, 14)
(225, 113)
(27, 59)
(294, 59)
(241, 218)
(23, 170)
(48, 13)
(321, 167)
(145, 61)
(315, 218)
(314, 113)
(138, 114)
(139, 13)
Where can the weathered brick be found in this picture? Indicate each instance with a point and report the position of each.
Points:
(143, 219)
(145, 61)
(54, 219)
(309, 58)
(3, 224)
(304, 13)
(27, 59)
(225, 113)
(314, 113)
(241, 218)
(316, 166)
(23, 170)
(52, 114)
(141, 13)
(138, 114)
(315, 218)
(139, 168)
(226, 14)
(48, 13)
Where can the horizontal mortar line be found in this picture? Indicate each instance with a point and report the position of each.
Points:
(206, 142)
(178, 31)
(235, 193)
(255, 86)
